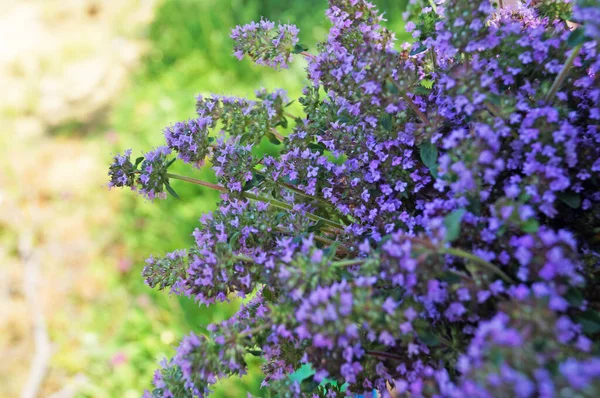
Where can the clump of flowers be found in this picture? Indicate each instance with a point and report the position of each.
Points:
(428, 227)
(266, 44)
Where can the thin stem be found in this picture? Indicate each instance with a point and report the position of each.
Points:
(562, 75)
(411, 104)
(415, 108)
(308, 55)
(248, 195)
(385, 355)
(241, 257)
(197, 182)
(250, 332)
(277, 134)
(348, 263)
(290, 115)
(487, 265)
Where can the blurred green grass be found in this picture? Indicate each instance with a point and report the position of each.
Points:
(190, 54)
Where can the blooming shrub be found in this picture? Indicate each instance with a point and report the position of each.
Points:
(430, 227)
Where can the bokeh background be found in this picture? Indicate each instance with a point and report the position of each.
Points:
(79, 81)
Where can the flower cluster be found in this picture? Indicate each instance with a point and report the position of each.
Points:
(428, 225)
(265, 44)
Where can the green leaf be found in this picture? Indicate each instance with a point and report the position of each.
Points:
(387, 122)
(420, 90)
(316, 226)
(590, 321)
(317, 147)
(429, 154)
(233, 239)
(244, 137)
(256, 180)
(139, 160)
(272, 138)
(391, 87)
(283, 122)
(268, 294)
(304, 372)
(171, 162)
(298, 48)
(429, 339)
(418, 50)
(171, 190)
(427, 83)
(571, 199)
(530, 226)
(574, 297)
(452, 224)
(577, 37)
(289, 103)
(450, 277)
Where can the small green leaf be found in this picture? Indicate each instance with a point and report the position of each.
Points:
(450, 277)
(304, 372)
(283, 123)
(418, 50)
(211, 140)
(256, 180)
(139, 160)
(574, 297)
(316, 226)
(171, 162)
(429, 339)
(171, 190)
(452, 224)
(233, 239)
(420, 90)
(299, 48)
(387, 122)
(317, 147)
(391, 87)
(577, 37)
(429, 154)
(590, 321)
(427, 83)
(272, 139)
(530, 226)
(268, 294)
(289, 103)
(571, 199)
(244, 137)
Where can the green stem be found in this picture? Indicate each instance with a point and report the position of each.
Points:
(485, 264)
(274, 202)
(197, 182)
(562, 75)
(348, 263)
(308, 55)
(302, 193)
(411, 104)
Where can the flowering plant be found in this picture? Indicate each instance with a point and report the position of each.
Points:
(428, 228)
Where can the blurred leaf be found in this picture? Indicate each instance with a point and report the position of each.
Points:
(299, 48)
(386, 122)
(590, 322)
(418, 50)
(571, 199)
(272, 138)
(171, 190)
(452, 224)
(531, 226)
(429, 154)
(577, 37)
